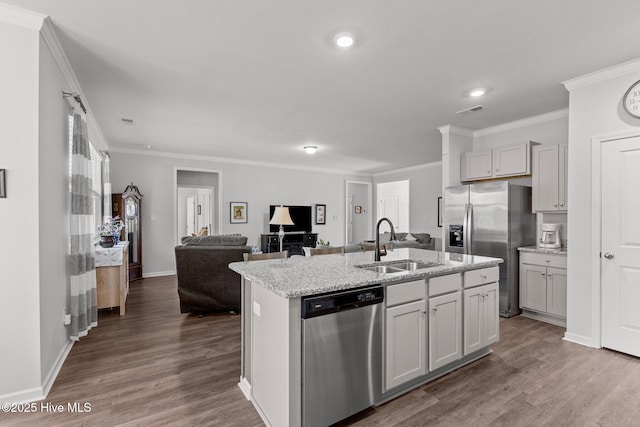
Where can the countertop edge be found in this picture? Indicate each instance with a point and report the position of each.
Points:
(536, 249)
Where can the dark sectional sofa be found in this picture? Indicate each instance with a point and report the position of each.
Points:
(205, 282)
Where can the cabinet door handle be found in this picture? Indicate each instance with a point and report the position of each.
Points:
(608, 255)
(423, 311)
(434, 309)
(561, 203)
(542, 274)
(546, 260)
(488, 171)
(555, 205)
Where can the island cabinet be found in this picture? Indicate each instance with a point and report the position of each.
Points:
(549, 178)
(445, 320)
(481, 306)
(405, 344)
(543, 287)
(500, 162)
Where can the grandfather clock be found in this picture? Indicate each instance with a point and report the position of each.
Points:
(127, 206)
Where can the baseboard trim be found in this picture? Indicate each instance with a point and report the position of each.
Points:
(55, 370)
(158, 274)
(579, 339)
(40, 393)
(245, 387)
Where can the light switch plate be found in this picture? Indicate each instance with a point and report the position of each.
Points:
(256, 308)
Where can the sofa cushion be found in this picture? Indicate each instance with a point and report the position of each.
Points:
(217, 240)
(401, 236)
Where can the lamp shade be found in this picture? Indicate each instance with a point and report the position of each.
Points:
(281, 216)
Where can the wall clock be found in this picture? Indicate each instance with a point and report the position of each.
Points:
(631, 100)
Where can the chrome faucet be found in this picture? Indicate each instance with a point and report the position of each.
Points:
(393, 237)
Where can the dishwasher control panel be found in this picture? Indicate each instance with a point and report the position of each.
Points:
(319, 305)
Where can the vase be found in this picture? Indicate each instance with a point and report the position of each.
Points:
(107, 241)
(116, 236)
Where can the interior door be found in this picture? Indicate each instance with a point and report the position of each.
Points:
(389, 208)
(620, 256)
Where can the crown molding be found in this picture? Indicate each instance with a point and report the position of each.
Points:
(184, 156)
(50, 38)
(456, 130)
(22, 17)
(529, 121)
(409, 168)
(603, 75)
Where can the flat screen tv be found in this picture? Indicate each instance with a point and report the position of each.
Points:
(300, 215)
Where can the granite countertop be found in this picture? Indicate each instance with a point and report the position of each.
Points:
(557, 251)
(300, 276)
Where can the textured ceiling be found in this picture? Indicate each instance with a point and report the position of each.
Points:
(257, 80)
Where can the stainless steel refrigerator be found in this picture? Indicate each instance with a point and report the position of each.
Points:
(491, 219)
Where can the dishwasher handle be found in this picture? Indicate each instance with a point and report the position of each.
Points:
(321, 305)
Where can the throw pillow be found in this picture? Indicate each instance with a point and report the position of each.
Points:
(422, 237)
(401, 236)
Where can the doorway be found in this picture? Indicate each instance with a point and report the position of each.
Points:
(358, 216)
(197, 202)
(393, 203)
(619, 248)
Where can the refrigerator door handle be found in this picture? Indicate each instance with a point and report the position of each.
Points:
(465, 230)
(468, 231)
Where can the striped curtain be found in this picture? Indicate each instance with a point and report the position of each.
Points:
(83, 303)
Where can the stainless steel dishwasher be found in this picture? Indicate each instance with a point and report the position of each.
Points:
(341, 354)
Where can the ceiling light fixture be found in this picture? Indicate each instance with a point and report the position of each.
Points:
(344, 40)
(477, 92)
(310, 149)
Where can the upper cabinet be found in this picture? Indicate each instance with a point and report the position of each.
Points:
(550, 178)
(500, 162)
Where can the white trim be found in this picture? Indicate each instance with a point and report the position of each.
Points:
(603, 75)
(529, 121)
(48, 35)
(245, 387)
(346, 208)
(579, 339)
(409, 168)
(596, 229)
(22, 17)
(55, 369)
(158, 274)
(456, 130)
(184, 156)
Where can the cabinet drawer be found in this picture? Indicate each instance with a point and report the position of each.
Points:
(481, 276)
(404, 292)
(547, 260)
(444, 284)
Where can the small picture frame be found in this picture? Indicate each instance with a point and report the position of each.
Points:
(238, 212)
(321, 217)
(3, 183)
(358, 209)
(439, 211)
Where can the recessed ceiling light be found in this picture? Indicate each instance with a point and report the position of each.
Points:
(477, 92)
(344, 40)
(310, 149)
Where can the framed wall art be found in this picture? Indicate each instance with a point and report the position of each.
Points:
(3, 183)
(439, 211)
(321, 214)
(238, 212)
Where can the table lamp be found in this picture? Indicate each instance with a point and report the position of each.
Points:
(281, 217)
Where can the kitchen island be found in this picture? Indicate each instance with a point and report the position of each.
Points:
(439, 313)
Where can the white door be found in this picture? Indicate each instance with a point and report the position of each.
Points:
(621, 245)
(190, 216)
(389, 208)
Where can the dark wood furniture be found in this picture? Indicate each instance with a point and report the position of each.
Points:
(127, 205)
(292, 242)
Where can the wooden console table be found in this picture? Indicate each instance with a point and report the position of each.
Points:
(112, 277)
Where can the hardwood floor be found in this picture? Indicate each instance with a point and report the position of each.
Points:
(156, 366)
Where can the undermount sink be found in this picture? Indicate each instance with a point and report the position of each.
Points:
(398, 266)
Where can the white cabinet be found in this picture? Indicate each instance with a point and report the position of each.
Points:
(543, 287)
(481, 321)
(549, 178)
(405, 338)
(509, 160)
(445, 329)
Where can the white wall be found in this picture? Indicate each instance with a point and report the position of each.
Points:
(425, 186)
(258, 185)
(361, 223)
(20, 370)
(53, 188)
(595, 110)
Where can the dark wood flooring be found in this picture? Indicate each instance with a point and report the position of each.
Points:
(156, 366)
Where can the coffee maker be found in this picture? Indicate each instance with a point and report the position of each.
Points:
(549, 236)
